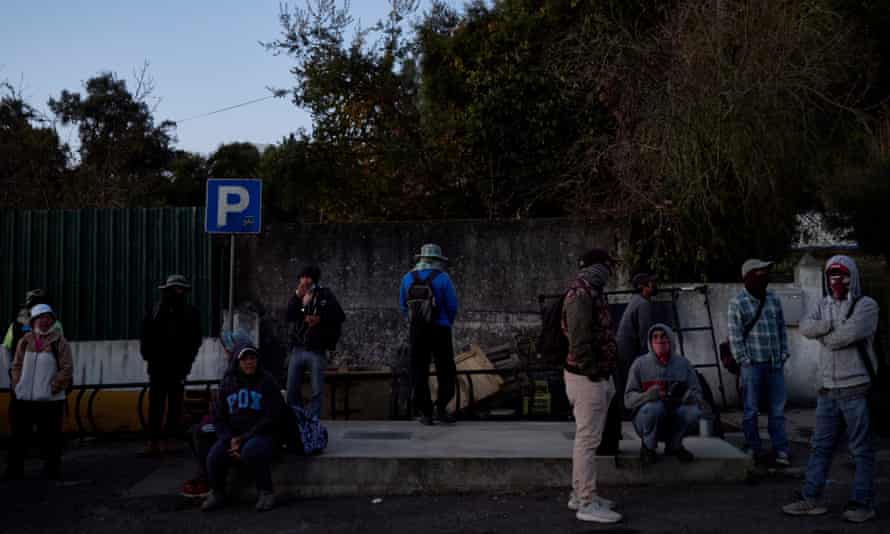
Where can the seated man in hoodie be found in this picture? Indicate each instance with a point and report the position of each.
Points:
(664, 395)
(248, 416)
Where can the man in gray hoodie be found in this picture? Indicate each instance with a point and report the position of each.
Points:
(664, 394)
(844, 323)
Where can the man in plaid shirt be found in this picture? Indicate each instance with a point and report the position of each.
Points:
(761, 353)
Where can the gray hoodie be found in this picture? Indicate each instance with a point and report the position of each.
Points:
(840, 364)
(647, 372)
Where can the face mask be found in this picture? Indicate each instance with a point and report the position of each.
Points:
(839, 284)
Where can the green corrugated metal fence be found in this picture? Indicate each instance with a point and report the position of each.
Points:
(102, 267)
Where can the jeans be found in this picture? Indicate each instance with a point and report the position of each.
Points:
(432, 342)
(659, 420)
(830, 413)
(590, 402)
(315, 362)
(756, 378)
(161, 391)
(256, 452)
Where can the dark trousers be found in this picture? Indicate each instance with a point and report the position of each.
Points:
(46, 416)
(161, 392)
(256, 452)
(612, 428)
(426, 343)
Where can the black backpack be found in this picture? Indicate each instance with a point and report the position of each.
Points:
(553, 345)
(421, 300)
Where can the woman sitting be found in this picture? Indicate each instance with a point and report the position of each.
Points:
(248, 416)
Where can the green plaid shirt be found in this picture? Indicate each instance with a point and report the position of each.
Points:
(767, 342)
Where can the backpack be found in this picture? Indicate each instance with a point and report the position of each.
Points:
(553, 344)
(420, 300)
(312, 434)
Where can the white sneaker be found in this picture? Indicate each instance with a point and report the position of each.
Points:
(574, 504)
(597, 513)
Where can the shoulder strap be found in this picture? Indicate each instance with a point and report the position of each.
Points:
(750, 325)
(852, 307)
(433, 276)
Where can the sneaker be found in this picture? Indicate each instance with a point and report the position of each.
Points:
(596, 513)
(805, 507)
(214, 501)
(857, 513)
(426, 420)
(682, 454)
(783, 459)
(195, 488)
(446, 418)
(575, 504)
(647, 455)
(265, 501)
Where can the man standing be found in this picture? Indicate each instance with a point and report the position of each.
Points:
(315, 320)
(428, 299)
(663, 392)
(171, 338)
(759, 344)
(632, 342)
(590, 364)
(844, 323)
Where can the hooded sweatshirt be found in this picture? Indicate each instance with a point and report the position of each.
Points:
(840, 365)
(42, 367)
(587, 323)
(248, 404)
(648, 372)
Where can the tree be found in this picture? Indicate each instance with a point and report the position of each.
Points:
(123, 154)
(729, 112)
(187, 180)
(363, 97)
(234, 160)
(32, 158)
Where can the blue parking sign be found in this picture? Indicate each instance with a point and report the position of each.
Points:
(234, 206)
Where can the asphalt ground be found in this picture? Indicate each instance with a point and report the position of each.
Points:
(98, 474)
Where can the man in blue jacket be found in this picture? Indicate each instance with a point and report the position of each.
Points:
(428, 299)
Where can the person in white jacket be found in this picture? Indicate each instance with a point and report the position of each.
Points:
(42, 370)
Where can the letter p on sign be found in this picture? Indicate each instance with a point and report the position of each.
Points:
(234, 206)
(225, 208)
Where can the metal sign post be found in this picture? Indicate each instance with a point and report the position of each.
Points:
(234, 206)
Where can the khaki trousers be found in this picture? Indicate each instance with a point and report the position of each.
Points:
(590, 403)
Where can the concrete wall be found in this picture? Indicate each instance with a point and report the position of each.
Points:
(498, 269)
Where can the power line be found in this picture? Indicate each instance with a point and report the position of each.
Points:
(277, 94)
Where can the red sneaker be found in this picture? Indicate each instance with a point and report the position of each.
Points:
(194, 489)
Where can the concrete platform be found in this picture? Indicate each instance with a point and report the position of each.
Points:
(405, 458)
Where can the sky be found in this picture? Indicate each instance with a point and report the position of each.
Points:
(203, 56)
